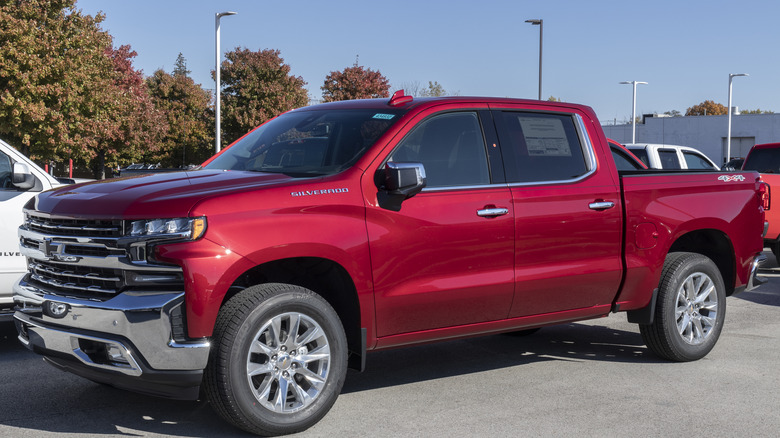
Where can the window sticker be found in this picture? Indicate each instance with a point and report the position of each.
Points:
(545, 137)
(383, 116)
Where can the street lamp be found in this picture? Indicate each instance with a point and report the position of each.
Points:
(218, 90)
(728, 135)
(539, 22)
(633, 109)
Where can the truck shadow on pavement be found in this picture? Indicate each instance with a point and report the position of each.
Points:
(35, 396)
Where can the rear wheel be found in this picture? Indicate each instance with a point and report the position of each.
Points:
(776, 250)
(690, 310)
(278, 361)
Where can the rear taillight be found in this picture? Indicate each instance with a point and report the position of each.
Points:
(763, 195)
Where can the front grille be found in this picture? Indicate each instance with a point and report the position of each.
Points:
(82, 281)
(90, 258)
(74, 227)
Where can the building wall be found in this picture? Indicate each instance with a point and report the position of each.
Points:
(705, 133)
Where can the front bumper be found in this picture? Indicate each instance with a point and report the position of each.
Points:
(127, 341)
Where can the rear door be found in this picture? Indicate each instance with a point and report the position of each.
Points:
(446, 258)
(567, 213)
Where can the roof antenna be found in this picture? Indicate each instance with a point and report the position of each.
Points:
(399, 98)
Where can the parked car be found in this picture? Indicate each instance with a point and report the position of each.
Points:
(765, 159)
(669, 157)
(20, 180)
(347, 227)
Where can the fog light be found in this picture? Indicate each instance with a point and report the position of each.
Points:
(116, 355)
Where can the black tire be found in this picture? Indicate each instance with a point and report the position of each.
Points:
(292, 389)
(776, 250)
(690, 309)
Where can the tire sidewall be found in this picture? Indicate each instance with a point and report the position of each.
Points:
(299, 300)
(681, 348)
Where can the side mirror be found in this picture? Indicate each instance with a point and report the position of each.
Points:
(398, 182)
(22, 178)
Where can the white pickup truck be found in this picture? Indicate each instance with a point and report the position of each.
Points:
(671, 157)
(20, 180)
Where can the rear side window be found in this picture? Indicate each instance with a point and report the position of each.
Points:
(763, 160)
(642, 155)
(540, 147)
(669, 159)
(696, 161)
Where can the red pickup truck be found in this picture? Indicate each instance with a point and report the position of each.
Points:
(341, 228)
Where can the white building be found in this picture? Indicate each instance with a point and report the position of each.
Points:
(705, 133)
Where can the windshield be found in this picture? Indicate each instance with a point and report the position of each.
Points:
(763, 160)
(308, 143)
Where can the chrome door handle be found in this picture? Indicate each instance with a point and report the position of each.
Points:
(601, 205)
(488, 212)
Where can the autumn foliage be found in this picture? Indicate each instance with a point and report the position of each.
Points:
(707, 108)
(257, 87)
(356, 82)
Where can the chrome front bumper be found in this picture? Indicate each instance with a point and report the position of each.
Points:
(130, 334)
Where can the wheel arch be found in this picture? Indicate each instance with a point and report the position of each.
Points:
(714, 244)
(323, 276)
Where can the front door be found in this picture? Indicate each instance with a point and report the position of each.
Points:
(446, 258)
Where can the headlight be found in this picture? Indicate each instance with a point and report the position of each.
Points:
(183, 228)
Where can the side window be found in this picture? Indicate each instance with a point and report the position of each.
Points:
(622, 161)
(668, 158)
(642, 155)
(6, 170)
(695, 161)
(540, 147)
(451, 148)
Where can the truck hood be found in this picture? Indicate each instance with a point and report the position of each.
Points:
(163, 195)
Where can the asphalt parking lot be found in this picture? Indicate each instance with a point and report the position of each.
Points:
(594, 378)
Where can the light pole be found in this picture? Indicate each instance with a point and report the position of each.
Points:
(728, 135)
(633, 109)
(218, 90)
(539, 22)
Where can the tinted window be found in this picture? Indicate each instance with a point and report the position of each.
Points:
(763, 160)
(622, 161)
(668, 158)
(450, 147)
(641, 153)
(5, 172)
(307, 143)
(696, 161)
(540, 147)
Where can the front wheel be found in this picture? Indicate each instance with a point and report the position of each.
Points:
(690, 310)
(278, 361)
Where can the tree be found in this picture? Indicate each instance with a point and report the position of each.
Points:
(356, 82)
(756, 111)
(706, 108)
(258, 87)
(52, 65)
(434, 90)
(180, 67)
(187, 108)
(554, 99)
(125, 124)
(673, 113)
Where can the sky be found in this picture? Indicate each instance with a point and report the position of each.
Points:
(684, 49)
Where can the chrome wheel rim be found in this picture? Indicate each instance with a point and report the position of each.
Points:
(288, 362)
(697, 308)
